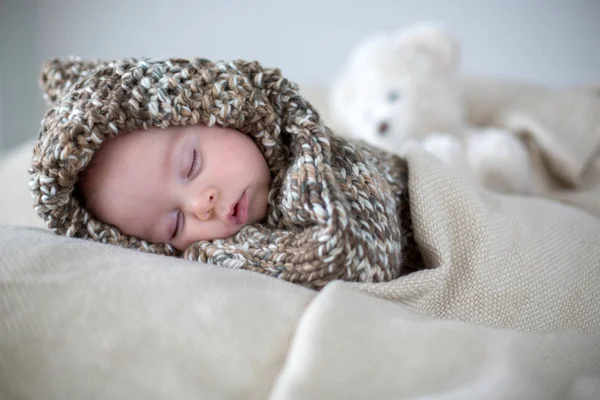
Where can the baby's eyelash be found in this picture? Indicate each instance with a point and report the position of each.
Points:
(194, 163)
(178, 223)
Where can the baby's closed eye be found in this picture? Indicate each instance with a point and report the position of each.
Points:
(176, 224)
(190, 163)
(193, 165)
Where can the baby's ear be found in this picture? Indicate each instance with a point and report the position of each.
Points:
(431, 41)
(58, 75)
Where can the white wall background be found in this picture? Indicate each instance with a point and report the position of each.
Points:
(556, 42)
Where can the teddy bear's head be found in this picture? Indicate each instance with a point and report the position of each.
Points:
(399, 86)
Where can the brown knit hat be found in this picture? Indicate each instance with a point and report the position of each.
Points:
(334, 205)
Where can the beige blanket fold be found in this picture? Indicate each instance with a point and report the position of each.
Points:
(352, 346)
(83, 320)
(562, 124)
(524, 263)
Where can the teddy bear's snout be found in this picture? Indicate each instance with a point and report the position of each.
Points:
(383, 128)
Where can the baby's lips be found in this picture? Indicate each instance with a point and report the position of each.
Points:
(230, 216)
(241, 214)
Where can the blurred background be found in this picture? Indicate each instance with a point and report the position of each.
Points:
(554, 42)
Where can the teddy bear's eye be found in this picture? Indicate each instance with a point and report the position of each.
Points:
(393, 96)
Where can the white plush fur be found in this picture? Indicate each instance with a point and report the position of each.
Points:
(488, 158)
(403, 88)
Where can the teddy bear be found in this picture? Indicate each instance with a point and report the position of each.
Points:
(405, 88)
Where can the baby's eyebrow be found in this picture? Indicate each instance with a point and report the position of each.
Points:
(168, 163)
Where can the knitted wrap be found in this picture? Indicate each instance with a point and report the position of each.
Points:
(334, 206)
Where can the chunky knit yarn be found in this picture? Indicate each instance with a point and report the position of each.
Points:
(337, 209)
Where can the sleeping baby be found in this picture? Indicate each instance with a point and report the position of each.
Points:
(217, 162)
(207, 183)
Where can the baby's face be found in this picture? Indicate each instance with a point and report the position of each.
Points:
(178, 185)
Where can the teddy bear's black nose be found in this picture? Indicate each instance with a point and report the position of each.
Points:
(383, 128)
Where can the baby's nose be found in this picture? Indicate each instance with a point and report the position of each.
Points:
(204, 206)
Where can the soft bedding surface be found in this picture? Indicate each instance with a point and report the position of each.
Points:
(81, 320)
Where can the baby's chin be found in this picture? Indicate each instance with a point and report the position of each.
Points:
(191, 242)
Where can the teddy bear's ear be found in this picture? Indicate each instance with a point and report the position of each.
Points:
(58, 75)
(431, 41)
(358, 63)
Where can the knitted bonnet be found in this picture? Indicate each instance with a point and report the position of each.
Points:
(337, 208)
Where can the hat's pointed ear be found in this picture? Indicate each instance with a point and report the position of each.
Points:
(58, 75)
